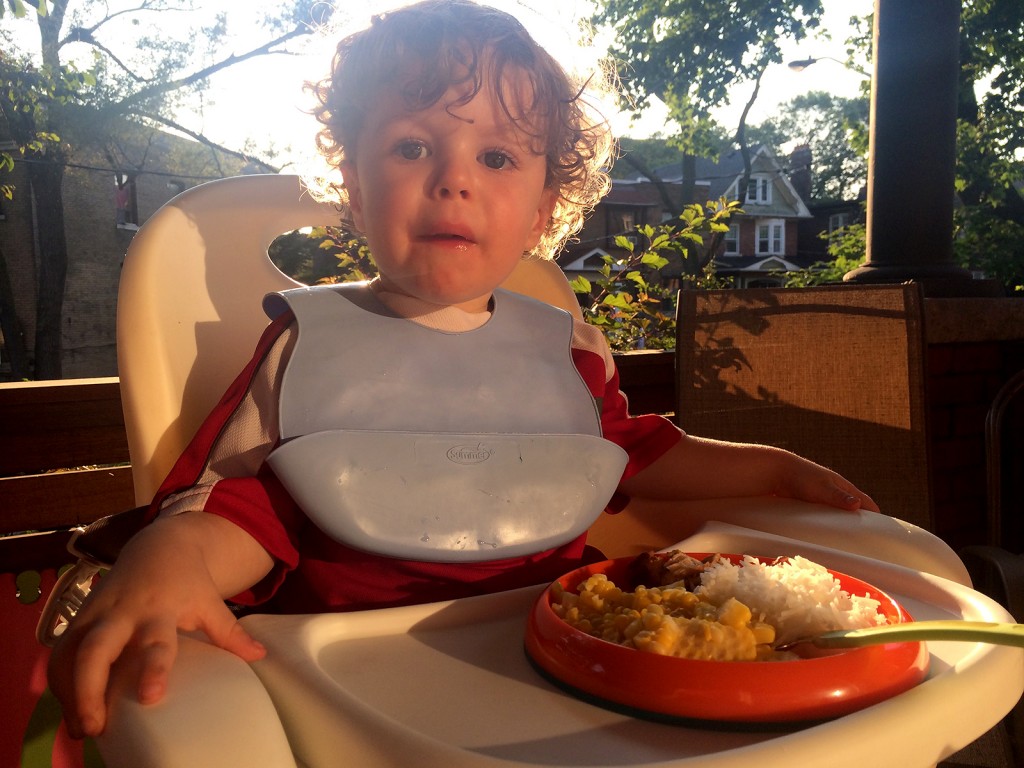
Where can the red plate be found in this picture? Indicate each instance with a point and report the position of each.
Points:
(666, 687)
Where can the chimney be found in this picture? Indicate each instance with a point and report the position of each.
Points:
(800, 171)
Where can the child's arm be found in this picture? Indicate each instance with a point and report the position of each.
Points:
(701, 468)
(174, 575)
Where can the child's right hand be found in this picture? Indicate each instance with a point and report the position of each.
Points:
(166, 579)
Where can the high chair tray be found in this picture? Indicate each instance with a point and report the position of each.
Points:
(449, 685)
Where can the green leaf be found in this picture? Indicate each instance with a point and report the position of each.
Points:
(659, 242)
(637, 278)
(619, 300)
(580, 284)
(623, 242)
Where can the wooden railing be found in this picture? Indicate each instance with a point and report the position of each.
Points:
(64, 455)
(649, 380)
(63, 463)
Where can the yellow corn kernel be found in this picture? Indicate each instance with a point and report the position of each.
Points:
(733, 613)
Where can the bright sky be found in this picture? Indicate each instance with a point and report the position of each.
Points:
(263, 99)
(276, 104)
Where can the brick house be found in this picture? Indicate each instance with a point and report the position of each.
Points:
(763, 240)
(827, 216)
(113, 186)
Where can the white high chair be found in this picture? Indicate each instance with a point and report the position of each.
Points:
(189, 315)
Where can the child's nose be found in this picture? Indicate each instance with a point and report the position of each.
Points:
(453, 179)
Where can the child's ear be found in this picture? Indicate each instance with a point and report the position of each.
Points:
(355, 198)
(546, 207)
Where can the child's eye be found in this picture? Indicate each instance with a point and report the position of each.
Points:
(412, 150)
(497, 160)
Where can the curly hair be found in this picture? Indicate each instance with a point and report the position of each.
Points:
(426, 49)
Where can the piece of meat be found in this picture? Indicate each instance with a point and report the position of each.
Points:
(659, 569)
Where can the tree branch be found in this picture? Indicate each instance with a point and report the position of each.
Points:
(165, 87)
(631, 158)
(83, 35)
(200, 138)
(110, 16)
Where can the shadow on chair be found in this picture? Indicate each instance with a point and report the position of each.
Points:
(832, 373)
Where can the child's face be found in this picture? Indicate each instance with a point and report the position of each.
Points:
(449, 197)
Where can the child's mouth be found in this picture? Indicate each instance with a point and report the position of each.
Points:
(449, 238)
(453, 232)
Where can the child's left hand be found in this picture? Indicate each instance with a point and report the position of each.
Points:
(811, 482)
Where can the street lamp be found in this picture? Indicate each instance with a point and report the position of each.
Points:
(801, 64)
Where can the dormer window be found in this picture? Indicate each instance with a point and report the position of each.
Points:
(759, 190)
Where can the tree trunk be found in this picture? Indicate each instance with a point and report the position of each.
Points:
(689, 185)
(741, 137)
(47, 179)
(14, 339)
(670, 205)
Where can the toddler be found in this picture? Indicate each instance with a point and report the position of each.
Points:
(464, 148)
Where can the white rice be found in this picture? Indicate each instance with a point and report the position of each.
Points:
(796, 596)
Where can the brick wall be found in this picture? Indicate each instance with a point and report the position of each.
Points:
(96, 249)
(164, 165)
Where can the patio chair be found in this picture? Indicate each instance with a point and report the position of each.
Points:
(832, 373)
(997, 568)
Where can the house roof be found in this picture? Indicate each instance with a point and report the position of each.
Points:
(721, 177)
(760, 263)
(633, 192)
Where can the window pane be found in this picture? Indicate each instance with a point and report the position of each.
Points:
(732, 239)
(771, 237)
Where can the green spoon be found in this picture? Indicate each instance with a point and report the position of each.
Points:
(913, 631)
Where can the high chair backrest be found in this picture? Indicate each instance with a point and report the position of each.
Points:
(189, 305)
